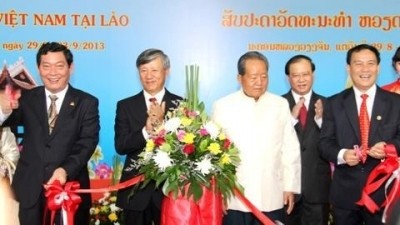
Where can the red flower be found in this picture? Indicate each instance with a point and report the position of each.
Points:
(188, 149)
(159, 141)
(227, 143)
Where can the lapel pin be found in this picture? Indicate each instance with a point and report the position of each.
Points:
(72, 103)
(379, 117)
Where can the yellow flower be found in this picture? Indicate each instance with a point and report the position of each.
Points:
(214, 148)
(186, 121)
(222, 136)
(150, 145)
(113, 198)
(189, 138)
(113, 217)
(225, 159)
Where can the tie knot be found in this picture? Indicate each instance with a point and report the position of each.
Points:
(53, 98)
(152, 99)
(364, 96)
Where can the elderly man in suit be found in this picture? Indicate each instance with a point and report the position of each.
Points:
(358, 123)
(312, 205)
(135, 120)
(57, 150)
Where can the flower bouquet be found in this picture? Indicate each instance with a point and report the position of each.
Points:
(192, 160)
(105, 212)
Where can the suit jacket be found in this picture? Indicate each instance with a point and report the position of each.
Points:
(315, 171)
(341, 130)
(70, 145)
(130, 119)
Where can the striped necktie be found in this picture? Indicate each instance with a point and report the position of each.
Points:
(52, 112)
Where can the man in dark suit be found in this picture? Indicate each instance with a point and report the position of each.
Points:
(312, 205)
(62, 153)
(136, 119)
(341, 134)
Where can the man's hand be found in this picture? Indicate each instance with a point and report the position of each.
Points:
(155, 117)
(288, 199)
(378, 150)
(351, 157)
(58, 174)
(319, 109)
(9, 102)
(297, 107)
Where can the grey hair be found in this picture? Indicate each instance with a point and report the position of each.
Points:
(150, 54)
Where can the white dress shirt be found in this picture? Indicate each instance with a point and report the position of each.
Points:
(268, 147)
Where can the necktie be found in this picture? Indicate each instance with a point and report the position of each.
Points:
(52, 113)
(303, 114)
(364, 127)
(152, 99)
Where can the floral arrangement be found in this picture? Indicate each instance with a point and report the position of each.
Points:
(105, 212)
(188, 151)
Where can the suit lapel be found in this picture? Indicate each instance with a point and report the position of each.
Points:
(141, 108)
(350, 108)
(39, 107)
(378, 112)
(169, 104)
(67, 110)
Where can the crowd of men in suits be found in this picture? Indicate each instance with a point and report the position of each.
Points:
(286, 142)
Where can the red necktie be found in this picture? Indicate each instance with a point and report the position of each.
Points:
(303, 114)
(152, 99)
(364, 127)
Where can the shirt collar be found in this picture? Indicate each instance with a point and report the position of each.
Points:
(306, 96)
(159, 96)
(61, 95)
(370, 92)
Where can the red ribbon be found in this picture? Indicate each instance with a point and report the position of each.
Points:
(379, 175)
(67, 198)
(63, 198)
(261, 216)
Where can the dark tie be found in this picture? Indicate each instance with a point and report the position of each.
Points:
(52, 112)
(152, 99)
(364, 127)
(303, 114)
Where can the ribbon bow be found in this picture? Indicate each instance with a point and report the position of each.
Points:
(379, 175)
(63, 198)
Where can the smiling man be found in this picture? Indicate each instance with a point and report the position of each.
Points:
(58, 150)
(136, 118)
(355, 147)
(259, 123)
(312, 206)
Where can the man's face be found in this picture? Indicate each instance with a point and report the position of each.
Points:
(255, 80)
(397, 67)
(153, 75)
(54, 71)
(301, 77)
(363, 69)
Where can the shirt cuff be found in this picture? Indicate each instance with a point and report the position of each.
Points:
(340, 159)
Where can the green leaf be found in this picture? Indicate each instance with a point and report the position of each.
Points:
(195, 190)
